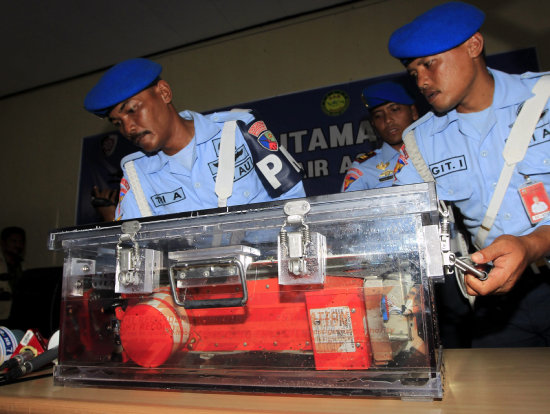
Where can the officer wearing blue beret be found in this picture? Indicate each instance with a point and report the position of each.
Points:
(390, 109)
(188, 161)
(462, 145)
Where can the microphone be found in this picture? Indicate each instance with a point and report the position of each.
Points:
(32, 365)
(17, 360)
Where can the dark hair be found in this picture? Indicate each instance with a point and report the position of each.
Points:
(8, 231)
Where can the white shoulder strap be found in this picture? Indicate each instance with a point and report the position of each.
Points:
(416, 157)
(135, 185)
(226, 162)
(514, 151)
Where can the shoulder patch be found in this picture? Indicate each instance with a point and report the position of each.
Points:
(275, 167)
(264, 136)
(124, 188)
(257, 128)
(401, 161)
(403, 153)
(268, 141)
(352, 175)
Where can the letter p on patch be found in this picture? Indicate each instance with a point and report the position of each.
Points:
(270, 166)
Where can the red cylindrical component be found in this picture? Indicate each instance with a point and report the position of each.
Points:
(152, 331)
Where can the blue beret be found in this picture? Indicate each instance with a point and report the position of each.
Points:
(437, 30)
(384, 92)
(119, 83)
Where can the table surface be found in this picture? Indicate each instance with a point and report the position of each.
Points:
(476, 381)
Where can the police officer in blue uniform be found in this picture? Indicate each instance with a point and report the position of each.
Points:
(390, 109)
(188, 161)
(462, 142)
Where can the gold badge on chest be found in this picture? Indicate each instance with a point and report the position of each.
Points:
(382, 165)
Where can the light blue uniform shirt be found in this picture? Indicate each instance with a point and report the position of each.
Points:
(466, 163)
(169, 187)
(373, 170)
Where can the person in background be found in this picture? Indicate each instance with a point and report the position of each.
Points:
(390, 110)
(188, 161)
(13, 241)
(462, 141)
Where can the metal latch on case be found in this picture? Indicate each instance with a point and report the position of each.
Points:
(301, 252)
(137, 270)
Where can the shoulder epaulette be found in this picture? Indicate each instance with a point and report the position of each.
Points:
(237, 114)
(132, 157)
(419, 121)
(363, 157)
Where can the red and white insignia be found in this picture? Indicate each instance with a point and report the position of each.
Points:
(257, 128)
(404, 154)
(124, 187)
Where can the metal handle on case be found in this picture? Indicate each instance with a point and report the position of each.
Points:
(466, 267)
(212, 303)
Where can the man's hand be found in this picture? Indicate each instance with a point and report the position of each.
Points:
(510, 256)
(104, 201)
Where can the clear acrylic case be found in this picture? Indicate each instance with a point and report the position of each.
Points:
(329, 294)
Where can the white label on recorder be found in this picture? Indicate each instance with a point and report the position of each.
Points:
(332, 329)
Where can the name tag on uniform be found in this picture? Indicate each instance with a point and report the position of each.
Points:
(448, 166)
(535, 200)
(164, 199)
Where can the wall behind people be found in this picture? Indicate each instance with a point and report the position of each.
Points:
(43, 129)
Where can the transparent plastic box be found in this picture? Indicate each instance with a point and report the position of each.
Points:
(325, 295)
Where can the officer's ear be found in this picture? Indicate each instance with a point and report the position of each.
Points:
(164, 90)
(373, 127)
(475, 45)
(414, 112)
